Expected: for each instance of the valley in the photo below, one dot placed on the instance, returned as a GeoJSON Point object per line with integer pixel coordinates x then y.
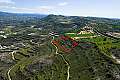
{"type": "Point", "coordinates": [56, 47]}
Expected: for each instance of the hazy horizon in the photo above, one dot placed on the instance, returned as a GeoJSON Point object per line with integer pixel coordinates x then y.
{"type": "Point", "coordinates": [93, 8]}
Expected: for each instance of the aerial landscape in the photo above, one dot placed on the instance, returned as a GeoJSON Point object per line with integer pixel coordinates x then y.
{"type": "Point", "coordinates": [56, 43]}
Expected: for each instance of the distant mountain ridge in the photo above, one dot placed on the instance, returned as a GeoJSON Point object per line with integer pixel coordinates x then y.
{"type": "Point", "coordinates": [56, 22]}
{"type": "Point", "coordinates": [21, 14]}
{"type": "Point", "coordinates": [16, 19]}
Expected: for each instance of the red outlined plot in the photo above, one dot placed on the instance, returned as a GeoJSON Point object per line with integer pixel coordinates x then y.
{"type": "Point", "coordinates": [65, 43]}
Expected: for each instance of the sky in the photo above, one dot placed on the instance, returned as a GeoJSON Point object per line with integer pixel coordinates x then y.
{"type": "Point", "coordinates": [95, 8]}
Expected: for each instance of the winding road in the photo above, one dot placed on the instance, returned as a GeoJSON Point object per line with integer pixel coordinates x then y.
{"type": "Point", "coordinates": [13, 57]}
{"type": "Point", "coordinates": [68, 70]}
{"type": "Point", "coordinates": [8, 73]}
{"type": "Point", "coordinates": [105, 35]}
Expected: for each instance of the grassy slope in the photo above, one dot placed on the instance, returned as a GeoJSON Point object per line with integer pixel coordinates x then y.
{"type": "Point", "coordinates": [86, 64]}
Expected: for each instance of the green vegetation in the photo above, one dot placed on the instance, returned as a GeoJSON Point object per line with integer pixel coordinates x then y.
{"type": "Point", "coordinates": [116, 27]}
{"type": "Point", "coordinates": [80, 35]}
{"type": "Point", "coordinates": [35, 59]}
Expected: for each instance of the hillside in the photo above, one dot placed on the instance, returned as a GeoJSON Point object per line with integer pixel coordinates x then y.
{"type": "Point", "coordinates": [57, 47]}
{"type": "Point", "coordinates": [15, 19]}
